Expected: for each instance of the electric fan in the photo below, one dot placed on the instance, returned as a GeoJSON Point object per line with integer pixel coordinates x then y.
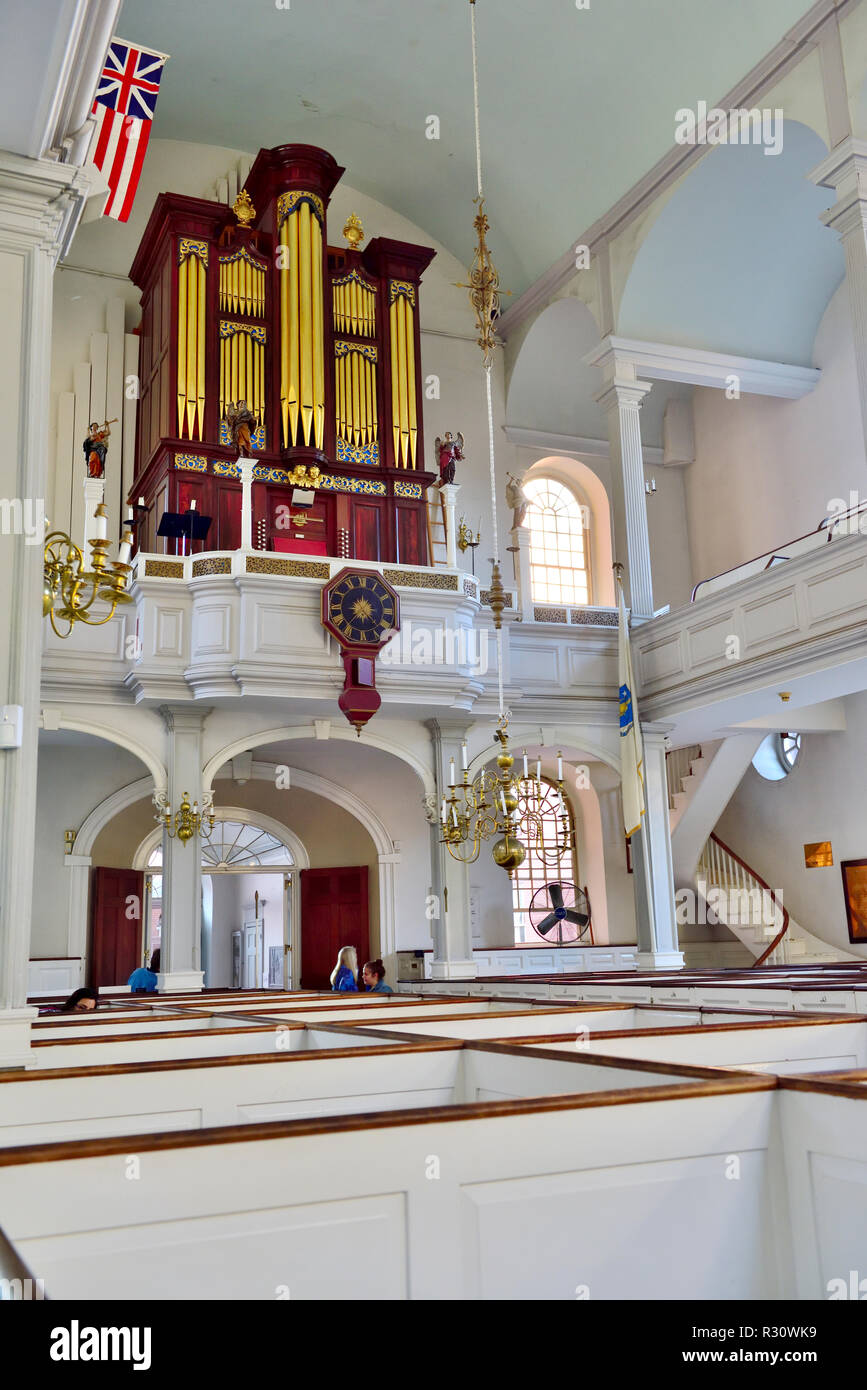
{"type": "Point", "coordinates": [559, 913]}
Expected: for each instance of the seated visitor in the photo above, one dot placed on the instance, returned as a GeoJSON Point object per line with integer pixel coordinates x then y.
{"type": "Point", "coordinates": [144, 981]}
{"type": "Point", "coordinates": [343, 976]}
{"type": "Point", "coordinates": [80, 1001]}
{"type": "Point", "coordinates": [373, 976]}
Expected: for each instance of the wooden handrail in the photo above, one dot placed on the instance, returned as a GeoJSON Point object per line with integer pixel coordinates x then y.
{"type": "Point", "coordinates": [768, 889]}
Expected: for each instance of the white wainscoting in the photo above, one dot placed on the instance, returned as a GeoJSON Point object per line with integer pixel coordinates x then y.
{"type": "Point", "coordinates": [608, 1199]}
{"type": "Point", "coordinates": [60, 975]}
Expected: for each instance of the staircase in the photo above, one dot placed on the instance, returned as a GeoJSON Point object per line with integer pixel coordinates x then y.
{"type": "Point", "coordinates": [740, 898]}
{"type": "Point", "coordinates": [436, 527]}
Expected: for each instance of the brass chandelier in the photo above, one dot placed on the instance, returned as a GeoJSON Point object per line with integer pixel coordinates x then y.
{"type": "Point", "coordinates": [188, 820]}
{"type": "Point", "coordinates": [506, 806]}
{"type": "Point", "coordinates": [70, 589]}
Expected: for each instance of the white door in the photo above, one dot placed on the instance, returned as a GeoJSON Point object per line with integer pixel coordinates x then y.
{"type": "Point", "coordinates": [253, 955]}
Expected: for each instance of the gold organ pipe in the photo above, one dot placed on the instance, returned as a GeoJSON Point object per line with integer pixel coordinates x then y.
{"type": "Point", "coordinates": [201, 344]}
{"type": "Point", "coordinates": [256, 404]}
{"type": "Point", "coordinates": [284, 332]}
{"type": "Point", "coordinates": [367, 410]}
{"type": "Point", "coordinates": [293, 280]}
{"type": "Point", "coordinates": [222, 377]}
{"type": "Point", "coordinates": [395, 384]}
{"type": "Point", "coordinates": [305, 300]}
{"type": "Point", "coordinates": [249, 383]}
{"type": "Point", "coordinates": [410, 379]}
{"type": "Point", "coordinates": [318, 337]}
{"type": "Point", "coordinates": [182, 345]}
{"type": "Point", "coordinates": [192, 359]}
{"type": "Point", "coordinates": [402, 390]}
{"type": "Point", "coordinates": [374, 407]}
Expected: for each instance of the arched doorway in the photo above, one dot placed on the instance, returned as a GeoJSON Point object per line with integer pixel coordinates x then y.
{"type": "Point", "coordinates": [250, 900]}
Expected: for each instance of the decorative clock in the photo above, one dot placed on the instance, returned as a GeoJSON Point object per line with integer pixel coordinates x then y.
{"type": "Point", "coordinates": [361, 611]}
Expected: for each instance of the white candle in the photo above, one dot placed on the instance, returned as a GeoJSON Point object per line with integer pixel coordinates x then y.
{"type": "Point", "coordinates": [464, 755]}
{"type": "Point", "coordinates": [538, 769]}
{"type": "Point", "coordinates": [123, 553]}
{"type": "Point", "coordinates": [193, 505]}
{"type": "Point", "coordinates": [444, 816]}
{"type": "Point", "coordinates": [100, 532]}
{"type": "Point", "coordinates": [559, 767]}
{"type": "Point", "coordinates": [503, 800]}
{"type": "Point", "coordinates": [141, 501]}
{"type": "Point", "coordinates": [455, 814]}
{"type": "Point", "coordinates": [525, 762]}
{"type": "Point", "coordinates": [451, 772]}
{"type": "Point", "coordinates": [129, 513]}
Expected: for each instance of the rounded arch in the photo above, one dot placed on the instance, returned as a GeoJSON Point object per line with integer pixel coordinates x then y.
{"type": "Point", "coordinates": [590, 490]}
{"type": "Point", "coordinates": [550, 388]}
{"type": "Point", "coordinates": [281, 832]}
{"type": "Point", "coordinates": [283, 735]}
{"type": "Point", "coordinates": [109, 735]}
{"type": "Point", "coordinates": [106, 811]}
{"type": "Point", "coordinates": [722, 265]}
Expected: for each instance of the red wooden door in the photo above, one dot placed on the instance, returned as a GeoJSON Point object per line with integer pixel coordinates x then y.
{"type": "Point", "coordinates": [333, 914]}
{"type": "Point", "coordinates": [117, 937]}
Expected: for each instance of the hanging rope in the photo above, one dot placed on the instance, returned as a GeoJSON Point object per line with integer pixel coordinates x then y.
{"type": "Point", "coordinates": [488, 392]}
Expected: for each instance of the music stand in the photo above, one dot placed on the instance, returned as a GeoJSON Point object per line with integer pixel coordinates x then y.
{"type": "Point", "coordinates": [181, 525]}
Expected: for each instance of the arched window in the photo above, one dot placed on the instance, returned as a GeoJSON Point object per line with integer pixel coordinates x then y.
{"type": "Point", "coordinates": [231, 845]}
{"type": "Point", "coordinates": [559, 532]}
{"type": "Point", "coordinates": [542, 863]}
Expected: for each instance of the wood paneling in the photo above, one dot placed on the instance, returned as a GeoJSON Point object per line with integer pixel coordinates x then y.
{"type": "Point", "coordinates": [117, 937]}
{"type": "Point", "coordinates": [333, 914]}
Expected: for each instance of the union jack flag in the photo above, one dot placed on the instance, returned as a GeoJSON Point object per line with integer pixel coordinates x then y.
{"type": "Point", "coordinates": [124, 108]}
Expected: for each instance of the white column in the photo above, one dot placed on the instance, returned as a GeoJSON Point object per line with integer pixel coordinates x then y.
{"type": "Point", "coordinates": [94, 493]}
{"type": "Point", "coordinates": [387, 913]}
{"type": "Point", "coordinates": [39, 201]}
{"type": "Point", "coordinates": [845, 171]}
{"type": "Point", "coordinates": [621, 400]}
{"type": "Point", "coordinates": [656, 923]}
{"type": "Point", "coordinates": [520, 549]}
{"type": "Point", "coordinates": [247, 466]}
{"type": "Point", "coordinates": [450, 884]}
{"type": "Point", "coordinates": [180, 958]}
{"type": "Point", "coordinates": [449, 493]}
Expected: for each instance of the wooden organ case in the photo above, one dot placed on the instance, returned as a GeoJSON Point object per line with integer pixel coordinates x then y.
{"type": "Point", "coordinates": [322, 343]}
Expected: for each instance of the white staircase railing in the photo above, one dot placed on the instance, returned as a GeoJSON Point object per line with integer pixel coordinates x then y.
{"type": "Point", "coordinates": [742, 901]}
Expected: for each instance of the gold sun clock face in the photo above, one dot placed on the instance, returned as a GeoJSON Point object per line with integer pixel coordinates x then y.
{"type": "Point", "coordinates": [360, 609]}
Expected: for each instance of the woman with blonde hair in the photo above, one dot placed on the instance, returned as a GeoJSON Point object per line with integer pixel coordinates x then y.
{"type": "Point", "coordinates": [344, 975]}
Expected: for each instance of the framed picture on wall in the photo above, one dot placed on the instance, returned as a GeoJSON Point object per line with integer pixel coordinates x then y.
{"type": "Point", "coordinates": [854, 873]}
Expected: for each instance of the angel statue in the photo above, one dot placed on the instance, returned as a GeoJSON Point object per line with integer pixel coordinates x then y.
{"type": "Point", "coordinates": [242, 425]}
{"type": "Point", "coordinates": [449, 451]}
{"type": "Point", "coordinates": [96, 447]}
{"type": "Point", "coordinates": [517, 499]}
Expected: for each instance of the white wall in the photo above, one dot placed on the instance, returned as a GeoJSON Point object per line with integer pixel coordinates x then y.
{"type": "Point", "coordinates": [766, 469]}
{"type": "Point", "coordinates": [768, 824]}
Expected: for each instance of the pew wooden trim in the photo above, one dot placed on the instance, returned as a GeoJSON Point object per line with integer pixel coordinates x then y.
{"type": "Point", "coordinates": [593, 1059]}
{"type": "Point", "coordinates": [829, 1083]}
{"type": "Point", "coordinates": [231, 1059]}
{"type": "Point", "coordinates": [702, 1030]}
{"type": "Point", "coordinates": [732, 1083]}
{"type": "Point", "coordinates": [203, 1032]}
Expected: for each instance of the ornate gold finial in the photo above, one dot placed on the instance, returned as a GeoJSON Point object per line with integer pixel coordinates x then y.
{"type": "Point", "coordinates": [243, 208]}
{"type": "Point", "coordinates": [353, 232]}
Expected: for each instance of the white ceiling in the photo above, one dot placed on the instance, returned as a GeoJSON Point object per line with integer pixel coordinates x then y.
{"type": "Point", "coordinates": [576, 104]}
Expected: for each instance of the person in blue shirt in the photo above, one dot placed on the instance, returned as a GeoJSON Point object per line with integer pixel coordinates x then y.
{"type": "Point", "coordinates": [344, 975]}
{"type": "Point", "coordinates": [373, 976]}
{"type": "Point", "coordinates": [144, 981]}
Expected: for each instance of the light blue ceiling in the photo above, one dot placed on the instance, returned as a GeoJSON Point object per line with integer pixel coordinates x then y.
{"type": "Point", "coordinates": [738, 260]}
{"type": "Point", "coordinates": [553, 391]}
{"type": "Point", "coordinates": [576, 104]}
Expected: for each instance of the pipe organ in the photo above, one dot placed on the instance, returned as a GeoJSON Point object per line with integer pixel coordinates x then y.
{"type": "Point", "coordinates": [320, 341]}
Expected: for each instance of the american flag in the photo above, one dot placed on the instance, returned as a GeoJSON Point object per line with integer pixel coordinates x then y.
{"type": "Point", "coordinates": [124, 108]}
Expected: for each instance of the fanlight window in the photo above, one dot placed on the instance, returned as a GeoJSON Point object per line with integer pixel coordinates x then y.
{"type": "Point", "coordinates": [231, 845]}
{"type": "Point", "coordinates": [542, 863]}
{"type": "Point", "coordinates": [559, 560]}
{"type": "Point", "coordinates": [777, 755]}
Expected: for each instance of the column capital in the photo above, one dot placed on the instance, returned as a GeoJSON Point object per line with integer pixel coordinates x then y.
{"type": "Point", "coordinates": [844, 168]}
{"type": "Point", "coordinates": [180, 719]}
{"type": "Point", "coordinates": [622, 391]}
{"type": "Point", "coordinates": [41, 201]}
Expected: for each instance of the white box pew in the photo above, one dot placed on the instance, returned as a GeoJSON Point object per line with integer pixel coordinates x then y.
{"type": "Point", "coordinates": [518, 1023]}
{"type": "Point", "coordinates": [600, 1195]}
{"type": "Point", "coordinates": [775, 1047]}
{"type": "Point", "coordinates": [106, 1028]}
{"type": "Point", "coordinates": [823, 1121]}
{"type": "Point", "coordinates": [192, 1093]}
{"type": "Point", "coordinates": [214, 1040]}
{"type": "Point", "coordinates": [77, 1103]}
{"type": "Point", "coordinates": [362, 1013]}
{"type": "Point", "coordinates": [335, 1003]}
